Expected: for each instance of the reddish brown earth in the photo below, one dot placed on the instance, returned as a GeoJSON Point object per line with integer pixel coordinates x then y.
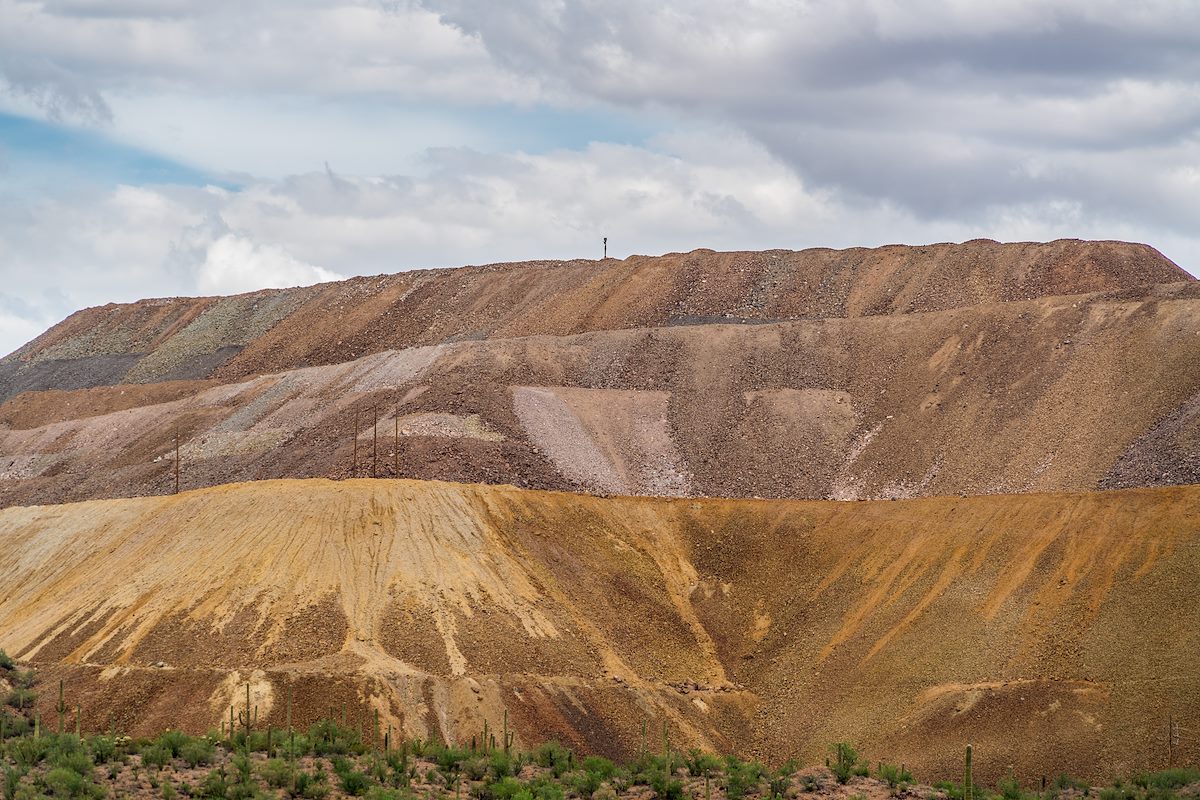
{"type": "Point", "coordinates": [1051, 629]}
{"type": "Point", "coordinates": [1056, 632]}
{"type": "Point", "coordinates": [1058, 393]}
{"type": "Point", "coordinates": [274, 330]}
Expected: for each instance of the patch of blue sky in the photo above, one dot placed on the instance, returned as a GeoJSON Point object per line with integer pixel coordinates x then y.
{"type": "Point", "coordinates": [543, 129]}
{"type": "Point", "coordinates": [40, 156]}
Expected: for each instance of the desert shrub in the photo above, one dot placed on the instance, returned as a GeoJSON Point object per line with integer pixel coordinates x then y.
{"type": "Point", "coordinates": [21, 698]}
{"type": "Point", "coordinates": [554, 757]}
{"type": "Point", "coordinates": [354, 783]}
{"type": "Point", "coordinates": [700, 763]}
{"type": "Point", "coordinates": [214, 786]}
{"type": "Point", "coordinates": [68, 757]}
{"type": "Point", "coordinates": [380, 793]}
{"type": "Point", "coordinates": [197, 752]}
{"type": "Point", "coordinates": [741, 777]}
{"type": "Point", "coordinates": [475, 769]}
{"type": "Point", "coordinates": [544, 787]}
{"type": "Point", "coordinates": [67, 783]}
{"type": "Point", "coordinates": [1063, 782]}
{"type": "Point", "coordinates": [29, 752]}
{"type": "Point", "coordinates": [602, 768]}
{"type": "Point", "coordinates": [328, 738]}
{"type": "Point", "coordinates": [174, 741]}
{"type": "Point", "coordinates": [6, 662]}
{"type": "Point", "coordinates": [156, 755]}
{"type": "Point", "coordinates": [845, 762]}
{"type": "Point", "coordinates": [449, 759]}
{"type": "Point", "coordinates": [666, 788]}
{"type": "Point", "coordinates": [1168, 778]}
{"type": "Point", "coordinates": [11, 780]}
{"type": "Point", "coordinates": [15, 725]}
{"type": "Point", "coordinates": [501, 764]}
{"type": "Point", "coordinates": [894, 776]}
{"type": "Point", "coordinates": [504, 789]}
{"type": "Point", "coordinates": [103, 749]}
{"type": "Point", "coordinates": [810, 783]}
{"type": "Point", "coordinates": [1010, 788]}
{"type": "Point", "coordinates": [312, 787]}
{"type": "Point", "coordinates": [276, 772]}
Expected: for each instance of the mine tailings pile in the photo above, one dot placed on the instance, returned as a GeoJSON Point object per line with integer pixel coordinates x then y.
{"type": "Point", "coordinates": [909, 498]}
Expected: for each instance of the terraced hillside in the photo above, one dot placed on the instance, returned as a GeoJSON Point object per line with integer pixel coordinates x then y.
{"type": "Point", "coordinates": [1056, 632]}
{"type": "Point", "coordinates": [233, 337]}
{"type": "Point", "coordinates": [1054, 393]}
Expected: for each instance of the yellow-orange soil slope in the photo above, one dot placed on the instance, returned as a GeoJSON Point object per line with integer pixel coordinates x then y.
{"type": "Point", "coordinates": [1056, 632]}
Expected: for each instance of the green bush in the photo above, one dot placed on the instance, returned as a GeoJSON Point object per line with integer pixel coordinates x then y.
{"type": "Point", "coordinates": [156, 755]}
{"type": "Point", "coordinates": [475, 769]}
{"type": "Point", "coordinates": [741, 777]}
{"type": "Point", "coordinates": [174, 741]}
{"type": "Point", "coordinates": [1168, 778]}
{"type": "Point", "coordinates": [214, 786]}
{"type": "Point", "coordinates": [21, 698]}
{"type": "Point", "coordinates": [67, 783]}
{"type": "Point", "coordinates": [504, 789]}
{"type": "Point", "coordinates": [197, 752]}
{"type": "Point", "coordinates": [29, 752]}
{"type": "Point", "coordinates": [12, 779]}
{"type": "Point", "coordinates": [700, 763]}
{"type": "Point", "coordinates": [501, 764]}
{"type": "Point", "coordinates": [450, 759]}
{"type": "Point", "coordinates": [15, 725]}
{"type": "Point", "coordinates": [845, 762]}
{"type": "Point", "coordinates": [354, 783]}
{"type": "Point", "coordinates": [103, 748]}
{"type": "Point", "coordinates": [894, 776]}
{"type": "Point", "coordinates": [666, 788]}
{"type": "Point", "coordinates": [277, 773]}
{"type": "Point", "coordinates": [544, 787]}
{"type": "Point", "coordinates": [6, 662]}
{"type": "Point", "coordinates": [554, 757]}
{"type": "Point", "coordinates": [602, 768]}
{"type": "Point", "coordinates": [312, 787]}
{"type": "Point", "coordinates": [76, 760]}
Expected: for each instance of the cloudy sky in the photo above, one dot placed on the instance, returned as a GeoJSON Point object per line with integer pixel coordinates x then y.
{"type": "Point", "coordinates": [167, 147]}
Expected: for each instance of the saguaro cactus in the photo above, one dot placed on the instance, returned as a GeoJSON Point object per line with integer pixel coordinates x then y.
{"type": "Point", "coordinates": [968, 783]}
{"type": "Point", "coordinates": [61, 707]}
{"type": "Point", "coordinates": [244, 716]}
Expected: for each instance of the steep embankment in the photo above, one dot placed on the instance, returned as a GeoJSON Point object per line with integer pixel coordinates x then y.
{"type": "Point", "coordinates": [1064, 393]}
{"type": "Point", "coordinates": [1055, 631]}
{"type": "Point", "coordinates": [269, 331]}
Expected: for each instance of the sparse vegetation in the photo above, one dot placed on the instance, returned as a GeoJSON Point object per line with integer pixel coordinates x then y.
{"type": "Point", "coordinates": [332, 760]}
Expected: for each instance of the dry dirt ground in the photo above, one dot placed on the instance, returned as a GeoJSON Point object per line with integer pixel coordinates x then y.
{"type": "Point", "coordinates": [269, 331]}
{"type": "Point", "coordinates": [1060, 393]}
{"type": "Point", "coordinates": [1056, 632]}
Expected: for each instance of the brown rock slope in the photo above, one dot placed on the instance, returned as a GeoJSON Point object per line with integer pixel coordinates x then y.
{"type": "Point", "coordinates": [1055, 393]}
{"type": "Point", "coordinates": [270, 331]}
{"type": "Point", "coordinates": [1057, 632]}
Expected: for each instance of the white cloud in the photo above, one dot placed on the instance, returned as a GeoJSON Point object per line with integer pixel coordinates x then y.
{"type": "Point", "coordinates": [715, 188]}
{"type": "Point", "coordinates": [790, 124]}
{"type": "Point", "coordinates": [234, 264]}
